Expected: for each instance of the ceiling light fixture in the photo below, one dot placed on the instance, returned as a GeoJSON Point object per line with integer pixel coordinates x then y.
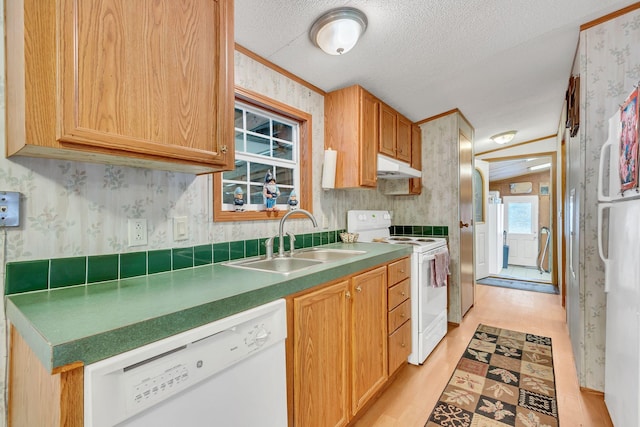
{"type": "Point", "coordinates": [504, 137]}
{"type": "Point", "coordinates": [542, 166]}
{"type": "Point", "coordinates": [337, 31]}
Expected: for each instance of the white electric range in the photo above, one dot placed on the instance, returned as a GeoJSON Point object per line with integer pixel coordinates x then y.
{"type": "Point", "coordinates": [428, 301]}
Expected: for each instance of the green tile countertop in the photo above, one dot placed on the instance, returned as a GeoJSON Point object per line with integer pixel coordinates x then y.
{"type": "Point", "coordinates": [92, 322]}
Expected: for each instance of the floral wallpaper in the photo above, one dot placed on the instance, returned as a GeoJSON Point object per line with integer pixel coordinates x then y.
{"type": "Point", "coordinates": [609, 61]}
{"type": "Point", "coordinates": [438, 202]}
{"type": "Point", "coordinates": [74, 208]}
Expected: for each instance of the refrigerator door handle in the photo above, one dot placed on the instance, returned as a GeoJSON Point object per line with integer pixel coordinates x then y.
{"type": "Point", "coordinates": [601, 196]}
{"type": "Point", "coordinates": [601, 208]}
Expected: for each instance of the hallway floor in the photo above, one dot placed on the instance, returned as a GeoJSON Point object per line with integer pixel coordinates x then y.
{"type": "Point", "coordinates": [410, 398]}
{"type": "Point", "coordinates": [525, 273]}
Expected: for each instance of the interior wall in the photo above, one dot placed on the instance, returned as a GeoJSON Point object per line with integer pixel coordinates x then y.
{"type": "Point", "coordinates": [609, 69]}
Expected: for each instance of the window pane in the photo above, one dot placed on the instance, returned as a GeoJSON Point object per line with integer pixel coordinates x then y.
{"type": "Point", "coordinates": [256, 195]}
{"type": "Point", "coordinates": [282, 150]}
{"type": "Point", "coordinates": [239, 141]}
{"type": "Point", "coordinates": [238, 119]}
{"type": "Point", "coordinates": [520, 218]}
{"type": "Point", "coordinates": [258, 124]}
{"type": "Point", "coordinates": [282, 131]}
{"type": "Point", "coordinates": [258, 145]}
{"type": "Point", "coordinates": [238, 174]}
{"type": "Point", "coordinates": [284, 194]}
{"type": "Point", "coordinates": [228, 191]}
{"type": "Point", "coordinates": [284, 176]}
{"type": "Point", "coordinates": [259, 171]}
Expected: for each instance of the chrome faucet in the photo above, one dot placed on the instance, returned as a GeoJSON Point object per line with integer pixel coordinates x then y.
{"type": "Point", "coordinates": [281, 230]}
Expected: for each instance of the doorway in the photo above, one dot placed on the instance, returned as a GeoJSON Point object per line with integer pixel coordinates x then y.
{"type": "Point", "coordinates": [521, 199]}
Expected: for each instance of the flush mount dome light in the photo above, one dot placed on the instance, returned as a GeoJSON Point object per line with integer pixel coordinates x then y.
{"type": "Point", "coordinates": [504, 137]}
{"type": "Point", "coordinates": [337, 31]}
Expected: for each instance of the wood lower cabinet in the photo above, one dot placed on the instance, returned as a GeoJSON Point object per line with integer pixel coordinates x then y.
{"type": "Point", "coordinates": [399, 317]}
{"type": "Point", "coordinates": [321, 357]}
{"type": "Point", "coordinates": [141, 83]}
{"type": "Point", "coordinates": [39, 398]}
{"type": "Point", "coordinates": [338, 358]}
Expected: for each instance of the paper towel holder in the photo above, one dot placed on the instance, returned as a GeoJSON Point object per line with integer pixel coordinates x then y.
{"type": "Point", "coordinates": [329, 169]}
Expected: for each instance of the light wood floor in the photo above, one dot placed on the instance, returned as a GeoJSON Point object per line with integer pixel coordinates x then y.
{"type": "Point", "coordinates": [411, 397]}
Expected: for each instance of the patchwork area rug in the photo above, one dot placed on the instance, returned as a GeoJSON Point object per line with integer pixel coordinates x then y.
{"type": "Point", "coordinates": [504, 378]}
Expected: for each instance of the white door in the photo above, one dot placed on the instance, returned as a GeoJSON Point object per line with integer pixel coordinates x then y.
{"type": "Point", "coordinates": [521, 223]}
{"type": "Point", "coordinates": [480, 222]}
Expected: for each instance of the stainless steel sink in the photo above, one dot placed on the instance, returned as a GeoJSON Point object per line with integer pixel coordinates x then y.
{"type": "Point", "coordinates": [284, 265]}
{"type": "Point", "coordinates": [326, 254]}
{"type": "Point", "coordinates": [300, 260]}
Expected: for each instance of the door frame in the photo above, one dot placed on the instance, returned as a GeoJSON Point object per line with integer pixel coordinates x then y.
{"type": "Point", "coordinates": [558, 210]}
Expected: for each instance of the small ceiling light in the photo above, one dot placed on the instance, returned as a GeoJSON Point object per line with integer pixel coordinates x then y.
{"type": "Point", "coordinates": [538, 167]}
{"type": "Point", "coordinates": [504, 137]}
{"type": "Point", "coordinates": [337, 31]}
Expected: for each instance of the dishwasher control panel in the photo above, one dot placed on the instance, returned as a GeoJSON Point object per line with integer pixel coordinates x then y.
{"type": "Point", "coordinates": [127, 384]}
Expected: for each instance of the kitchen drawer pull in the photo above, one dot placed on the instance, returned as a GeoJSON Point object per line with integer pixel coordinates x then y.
{"type": "Point", "coordinates": [402, 315]}
{"type": "Point", "coordinates": [403, 293]}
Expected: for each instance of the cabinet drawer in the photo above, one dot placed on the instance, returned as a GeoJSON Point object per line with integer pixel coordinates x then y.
{"type": "Point", "coordinates": [398, 293]}
{"type": "Point", "coordinates": [399, 270]}
{"type": "Point", "coordinates": [399, 347]}
{"type": "Point", "coordinates": [399, 315]}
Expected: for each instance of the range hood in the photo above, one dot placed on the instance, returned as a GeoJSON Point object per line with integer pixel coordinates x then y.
{"type": "Point", "coordinates": [389, 168]}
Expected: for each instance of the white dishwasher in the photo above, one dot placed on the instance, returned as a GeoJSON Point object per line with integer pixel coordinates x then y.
{"type": "Point", "coordinates": [231, 372]}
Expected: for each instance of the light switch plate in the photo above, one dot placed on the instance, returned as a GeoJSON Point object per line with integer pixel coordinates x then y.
{"type": "Point", "coordinates": [180, 228]}
{"type": "Point", "coordinates": [9, 209]}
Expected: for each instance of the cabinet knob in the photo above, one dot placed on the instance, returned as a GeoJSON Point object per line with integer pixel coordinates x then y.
{"type": "Point", "coordinates": [348, 295]}
{"type": "Point", "coordinates": [403, 293]}
{"type": "Point", "coordinates": [403, 345]}
{"type": "Point", "coordinates": [359, 288]}
{"type": "Point", "coordinates": [402, 314]}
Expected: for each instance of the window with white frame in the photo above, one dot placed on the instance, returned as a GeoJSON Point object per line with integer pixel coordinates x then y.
{"type": "Point", "coordinates": [264, 141]}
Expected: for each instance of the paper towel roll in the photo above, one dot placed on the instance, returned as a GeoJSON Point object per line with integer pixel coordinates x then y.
{"type": "Point", "coordinates": [329, 168]}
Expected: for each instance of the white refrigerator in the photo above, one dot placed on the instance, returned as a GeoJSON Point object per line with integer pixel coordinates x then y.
{"type": "Point", "coordinates": [619, 247]}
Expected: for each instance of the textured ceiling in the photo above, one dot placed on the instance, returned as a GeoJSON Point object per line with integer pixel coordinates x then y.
{"type": "Point", "coordinates": [504, 63]}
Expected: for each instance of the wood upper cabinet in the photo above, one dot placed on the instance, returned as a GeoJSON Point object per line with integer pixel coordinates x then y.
{"type": "Point", "coordinates": [404, 141]}
{"type": "Point", "coordinates": [144, 83]}
{"type": "Point", "coordinates": [388, 130]}
{"type": "Point", "coordinates": [338, 358]}
{"type": "Point", "coordinates": [415, 184]}
{"type": "Point", "coordinates": [351, 128]}
{"type": "Point", "coordinates": [395, 134]}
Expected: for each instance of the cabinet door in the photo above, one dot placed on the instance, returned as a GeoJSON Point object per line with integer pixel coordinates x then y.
{"type": "Point", "coordinates": [320, 357]}
{"type": "Point", "coordinates": [369, 117]}
{"type": "Point", "coordinates": [368, 335]}
{"type": "Point", "coordinates": [415, 184]}
{"type": "Point", "coordinates": [403, 141]}
{"type": "Point", "coordinates": [148, 79]}
{"type": "Point", "coordinates": [388, 130]}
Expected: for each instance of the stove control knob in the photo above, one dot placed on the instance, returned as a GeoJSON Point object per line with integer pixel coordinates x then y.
{"type": "Point", "coordinates": [387, 216]}
{"type": "Point", "coordinates": [362, 217]}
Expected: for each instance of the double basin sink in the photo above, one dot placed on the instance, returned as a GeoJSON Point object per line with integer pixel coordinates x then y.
{"type": "Point", "coordinates": [300, 260]}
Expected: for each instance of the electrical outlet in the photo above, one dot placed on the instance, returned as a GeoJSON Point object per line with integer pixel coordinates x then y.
{"type": "Point", "coordinates": [9, 209]}
{"type": "Point", "coordinates": [137, 232]}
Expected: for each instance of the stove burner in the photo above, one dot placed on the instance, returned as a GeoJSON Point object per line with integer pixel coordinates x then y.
{"type": "Point", "coordinates": [425, 240]}
{"type": "Point", "coordinates": [401, 239]}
